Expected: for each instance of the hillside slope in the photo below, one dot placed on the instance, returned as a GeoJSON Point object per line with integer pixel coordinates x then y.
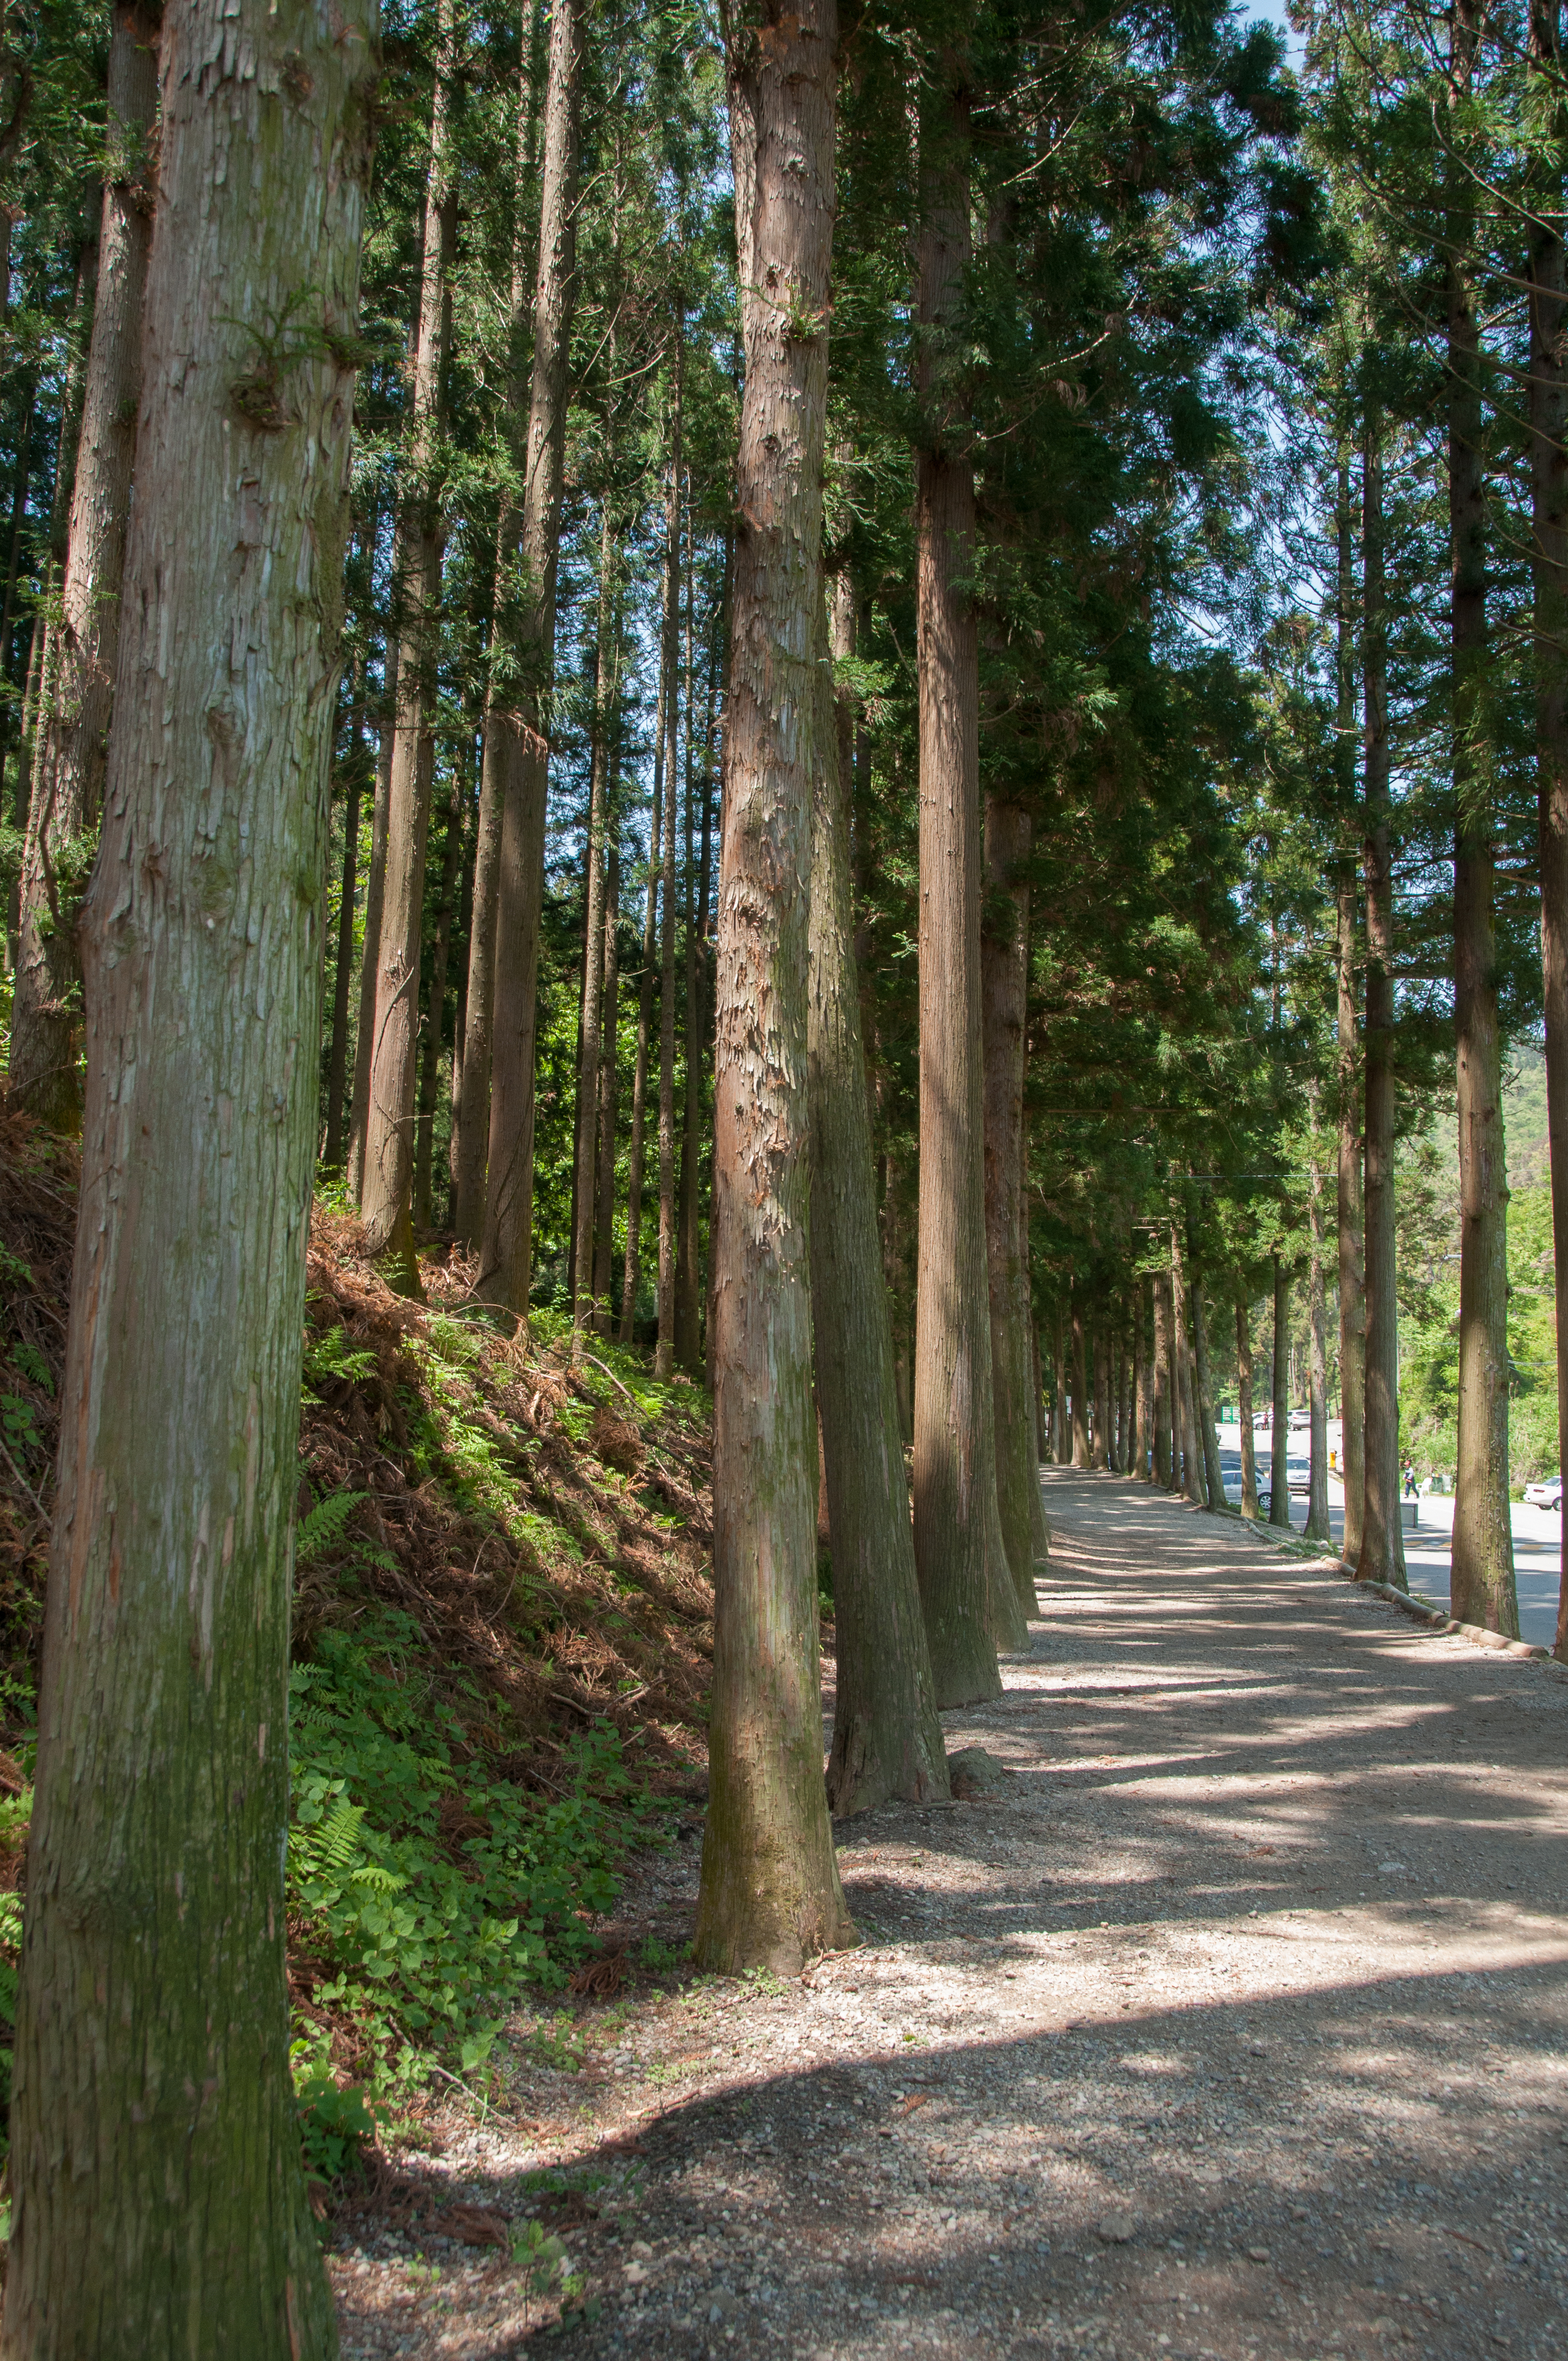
{"type": "Point", "coordinates": [502, 1634]}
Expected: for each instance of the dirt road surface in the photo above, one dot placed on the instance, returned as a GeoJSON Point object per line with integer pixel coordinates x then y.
{"type": "Point", "coordinates": [1229, 2022]}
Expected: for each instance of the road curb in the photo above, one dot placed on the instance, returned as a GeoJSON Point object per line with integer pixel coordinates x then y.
{"type": "Point", "coordinates": [1436, 1620]}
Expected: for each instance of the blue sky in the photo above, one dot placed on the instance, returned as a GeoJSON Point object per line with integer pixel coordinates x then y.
{"type": "Point", "coordinates": [1276, 16]}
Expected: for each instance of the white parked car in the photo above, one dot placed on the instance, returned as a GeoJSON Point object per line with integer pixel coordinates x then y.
{"type": "Point", "coordinates": [1545, 1493]}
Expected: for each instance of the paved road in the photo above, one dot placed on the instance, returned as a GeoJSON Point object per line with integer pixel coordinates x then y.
{"type": "Point", "coordinates": [1233, 2023]}
{"type": "Point", "coordinates": [1538, 1558]}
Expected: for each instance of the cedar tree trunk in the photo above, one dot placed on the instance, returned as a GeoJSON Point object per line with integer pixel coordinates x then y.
{"type": "Point", "coordinates": [155, 2159]}
{"type": "Point", "coordinates": [1382, 1557]}
{"type": "Point", "coordinates": [1481, 1580]}
{"type": "Point", "coordinates": [966, 1583]}
{"type": "Point", "coordinates": [1347, 1058]}
{"type": "Point", "coordinates": [1164, 1440]}
{"type": "Point", "coordinates": [887, 1739]}
{"type": "Point", "coordinates": [435, 1014]}
{"type": "Point", "coordinates": [770, 1891]}
{"type": "Point", "coordinates": [593, 941]}
{"type": "Point", "coordinates": [604, 1219]}
{"type": "Point", "coordinates": [385, 1204]}
{"type": "Point", "coordinates": [1549, 472]}
{"type": "Point", "coordinates": [73, 736]}
{"type": "Point", "coordinates": [506, 1241]}
{"type": "Point", "coordinates": [1213, 1482]}
{"type": "Point", "coordinates": [665, 1345]}
{"type": "Point", "coordinates": [1004, 979]}
{"type": "Point", "coordinates": [1245, 1410]}
{"type": "Point", "coordinates": [1279, 1440]}
{"type": "Point", "coordinates": [1080, 1389]}
{"type": "Point", "coordinates": [1317, 1527]}
{"type": "Point", "coordinates": [632, 1274]}
{"type": "Point", "coordinates": [370, 948]}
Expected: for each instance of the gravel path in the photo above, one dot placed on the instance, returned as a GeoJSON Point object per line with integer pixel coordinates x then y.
{"type": "Point", "coordinates": [1232, 2023]}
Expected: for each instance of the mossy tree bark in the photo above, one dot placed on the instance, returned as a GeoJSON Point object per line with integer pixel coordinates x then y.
{"type": "Point", "coordinates": [887, 1739]}
{"type": "Point", "coordinates": [967, 1589]}
{"type": "Point", "coordinates": [73, 726]}
{"type": "Point", "coordinates": [1382, 1557]}
{"type": "Point", "coordinates": [506, 1240]}
{"type": "Point", "coordinates": [1548, 492]}
{"type": "Point", "coordinates": [386, 1202]}
{"type": "Point", "coordinates": [1480, 1576]}
{"type": "Point", "coordinates": [770, 1891]}
{"type": "Point", "coordinates": [159, 2202]}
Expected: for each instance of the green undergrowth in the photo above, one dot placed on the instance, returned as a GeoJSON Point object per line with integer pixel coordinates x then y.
{"type": "Point", "coordinates": [502, 1647]}
{"type": "Point", "coordinates": [501, 1667]}
{"type": "Point", "coordinates": [428, 1890]}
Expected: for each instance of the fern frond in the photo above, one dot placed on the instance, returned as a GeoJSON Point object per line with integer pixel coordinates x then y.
{"type": "Point", "coordinates": [323, 1527]}
{"type": "Point", "coordinates": [371, 1874]}
{"type": "Point", "coordinates": [336, 1838]}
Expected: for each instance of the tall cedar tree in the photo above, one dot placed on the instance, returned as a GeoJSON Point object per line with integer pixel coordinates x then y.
{"type": "Point", "coordinates": [887, 1739]}
{"type": "Point", "coordinates": [506, 1247]}
{"type": "Point", "coordinates": [73, 726]}
{"type": "Point", "coordinates": [385, 1191]}
{"type": "Point", "coordinates": [159, 2201]}
{"type": "Point", "coordinates": [967, 1588]}
{"type": "Point", "coordinates": [770, 1891]}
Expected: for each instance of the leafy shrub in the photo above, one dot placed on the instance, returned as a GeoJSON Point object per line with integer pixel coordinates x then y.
{"type": "Point", "coordinates": [334, 2124]}
{"type": "Point", "coordinates": [432, 1890]}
